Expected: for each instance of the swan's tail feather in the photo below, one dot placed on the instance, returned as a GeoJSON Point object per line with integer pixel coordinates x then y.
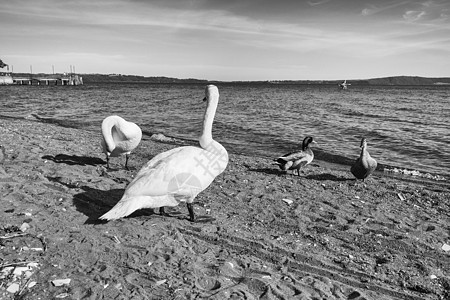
{"type": "Point", "coordinates": [123, 208]}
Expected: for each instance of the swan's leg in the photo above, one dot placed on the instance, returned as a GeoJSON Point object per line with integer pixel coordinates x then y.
{"type": "Point", "coordinates": [126, 161]}
{"type": "Point", "coordinates": [191, 212]}
{"type": "Point", "coordinates": [107, 161]}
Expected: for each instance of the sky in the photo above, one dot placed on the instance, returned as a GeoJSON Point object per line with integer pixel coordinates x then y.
{"type": "Point", "coordinates": [229, 40]}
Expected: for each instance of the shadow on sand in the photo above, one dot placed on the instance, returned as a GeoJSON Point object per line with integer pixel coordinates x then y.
{"type": "Point", "coordinates": [319, 177]}
{"type": "Point", "coordinates": [75, 160]}
{"type": "Point", "coordinates": [269, 171]}
{"type": "Point", "coordinates": [322, 177]}
{"type": "Point", "coordinates": [94, 203]}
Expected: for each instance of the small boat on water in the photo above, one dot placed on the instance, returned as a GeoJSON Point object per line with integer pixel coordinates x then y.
{"type": "Point", "coordinates": [344, 85]}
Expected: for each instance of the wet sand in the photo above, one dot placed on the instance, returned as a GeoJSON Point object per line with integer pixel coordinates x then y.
{"type": "Point", "coordinates": [260, 234]}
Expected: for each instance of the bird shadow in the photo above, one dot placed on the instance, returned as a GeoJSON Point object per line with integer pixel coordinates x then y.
{"type": "Point", "coordinates": [269, 171]}
{"type": "Point", "coordinates": [323, 177]}
{"type": "Point", "coordinates": [75, 160]}
{"type": "Point", "coordinates": [319, 177]}
{"type": "Point", "coordinates": [94, 203]}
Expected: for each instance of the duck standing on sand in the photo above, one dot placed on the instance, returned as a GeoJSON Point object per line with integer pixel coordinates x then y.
{"type": "Point", "coordinates": [119, 137]}
{"type": "Point", "coordinates": [177, 175]}
{"type": "Point", "coordinates": [364, 164]}
{"type": "Point", "coordinates": [298, 159]}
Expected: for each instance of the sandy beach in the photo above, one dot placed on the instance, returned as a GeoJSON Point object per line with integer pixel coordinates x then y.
{"type": "Point", "coordinates": [260, 234]}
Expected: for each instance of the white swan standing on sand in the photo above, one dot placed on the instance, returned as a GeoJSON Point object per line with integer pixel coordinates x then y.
{"type": "Point", "coordinates": [177, 175]}
{"type": "Point", "coordinates": [364, 164]}
{"type": "Point", "coordinates": [119, 137]}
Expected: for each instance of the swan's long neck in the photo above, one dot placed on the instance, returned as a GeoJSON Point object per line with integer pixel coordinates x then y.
{"type": "Point", "coordinates": [107, 126]}
{"type": "Point", "coordinates": [208, 119]}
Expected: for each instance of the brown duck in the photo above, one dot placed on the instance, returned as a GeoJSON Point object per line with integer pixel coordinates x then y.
{"type": "Point", "coordinates": [365, 164]}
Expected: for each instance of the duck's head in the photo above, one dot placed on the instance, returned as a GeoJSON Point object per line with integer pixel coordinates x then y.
{"type": "Point", "coordinates": [307, 141]}
{"type": "Point", "coordinates": [211, 91]}
{"type": "Point", "coordinates": [363, 143]}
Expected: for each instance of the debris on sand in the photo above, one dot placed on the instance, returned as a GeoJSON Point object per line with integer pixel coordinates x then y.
{"type": "Point", "coordinates": [446, 247]}
{"type": "Point", "coordinates": [414, 173]}
{"type": "Point", "coordinates": [61, 282]}
{"type": "Point", "coordinates": [288, 201]}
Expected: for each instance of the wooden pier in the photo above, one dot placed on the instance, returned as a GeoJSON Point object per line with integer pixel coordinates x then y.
{"type": "Point", "coordinates": [51, 80]}
{"type": "Point", "coordinates": [66, 80]}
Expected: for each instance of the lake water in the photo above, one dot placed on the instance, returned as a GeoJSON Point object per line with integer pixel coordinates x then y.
{"type": "Point", "coordinates": [406, 127]}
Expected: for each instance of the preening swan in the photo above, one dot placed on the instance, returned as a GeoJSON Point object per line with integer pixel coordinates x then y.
{"type": "Point", "coordinates": [364, 164]}
{"type": "Point", "coordinates": [177, 175]}
{"type": "Point", "coordinates": [119, 137]}
{"type": "Point", "coordinates": [296, 160]}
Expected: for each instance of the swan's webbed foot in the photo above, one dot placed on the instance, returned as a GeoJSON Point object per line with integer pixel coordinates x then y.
{"type": "Point", "coordinates": [190, 208]}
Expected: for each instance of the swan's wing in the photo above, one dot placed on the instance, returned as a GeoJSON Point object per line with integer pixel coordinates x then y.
{"type": "Point", "coordinates": [131, 131]}
{"type": "Point", "coordinates": [181, 171]}
{"type": "Point", "coordinates": [160, 157]}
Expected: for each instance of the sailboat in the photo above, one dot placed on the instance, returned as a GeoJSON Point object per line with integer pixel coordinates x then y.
{"type": "Point", "coordinates": [344, 85]}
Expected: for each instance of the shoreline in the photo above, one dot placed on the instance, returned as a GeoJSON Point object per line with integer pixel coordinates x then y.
{"type": "Point", "coordinates": [260, 235]}
{"type": "Point", "coordinates": [341, 162]}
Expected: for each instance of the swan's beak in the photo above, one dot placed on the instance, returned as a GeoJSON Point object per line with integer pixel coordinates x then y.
{"type": "Point", "coordinates": [204, 99]}
{"type": "Point", "coordinates": [314, 142]}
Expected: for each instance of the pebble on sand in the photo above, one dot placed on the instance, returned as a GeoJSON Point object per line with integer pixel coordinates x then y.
{"type": "Point", "coordinates": [61, 282]}
{"type": "Point", "coordinates": [446, 247]}
{"type": "Point", "coordinates": [13, 288]}
{"type": "Point", "coordinates": [288, 201]}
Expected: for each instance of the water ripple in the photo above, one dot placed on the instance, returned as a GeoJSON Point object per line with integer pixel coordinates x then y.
{"type": "Point", "coordinates": [405, 126]}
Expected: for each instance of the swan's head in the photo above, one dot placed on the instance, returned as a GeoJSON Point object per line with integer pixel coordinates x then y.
{"type": "Point", "coordinates": [363, 143]}
{"type": "Point", "coordinates": [211, 91]}
{"type": "Point", "coordinates": [307, 141]}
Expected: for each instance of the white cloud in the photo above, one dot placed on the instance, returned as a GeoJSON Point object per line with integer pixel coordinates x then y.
{"type": "Point", "coordinates": [318, 2]}
{"type": "Point", "coordinates": [372, 9]}
{"type": "Point", "coordinates": [413, 16]}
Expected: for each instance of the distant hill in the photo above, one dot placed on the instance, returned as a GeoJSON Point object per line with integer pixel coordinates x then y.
{"type": "Point", "coordinates": [135, 78]}
{"type": "Point", "coordinates": [407, 80]}
{"type": "Point", "coordinates": [394, 80]}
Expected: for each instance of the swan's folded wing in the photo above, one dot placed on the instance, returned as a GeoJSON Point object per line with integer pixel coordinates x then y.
{"type": "Point", "coordinates": [178, 171]}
